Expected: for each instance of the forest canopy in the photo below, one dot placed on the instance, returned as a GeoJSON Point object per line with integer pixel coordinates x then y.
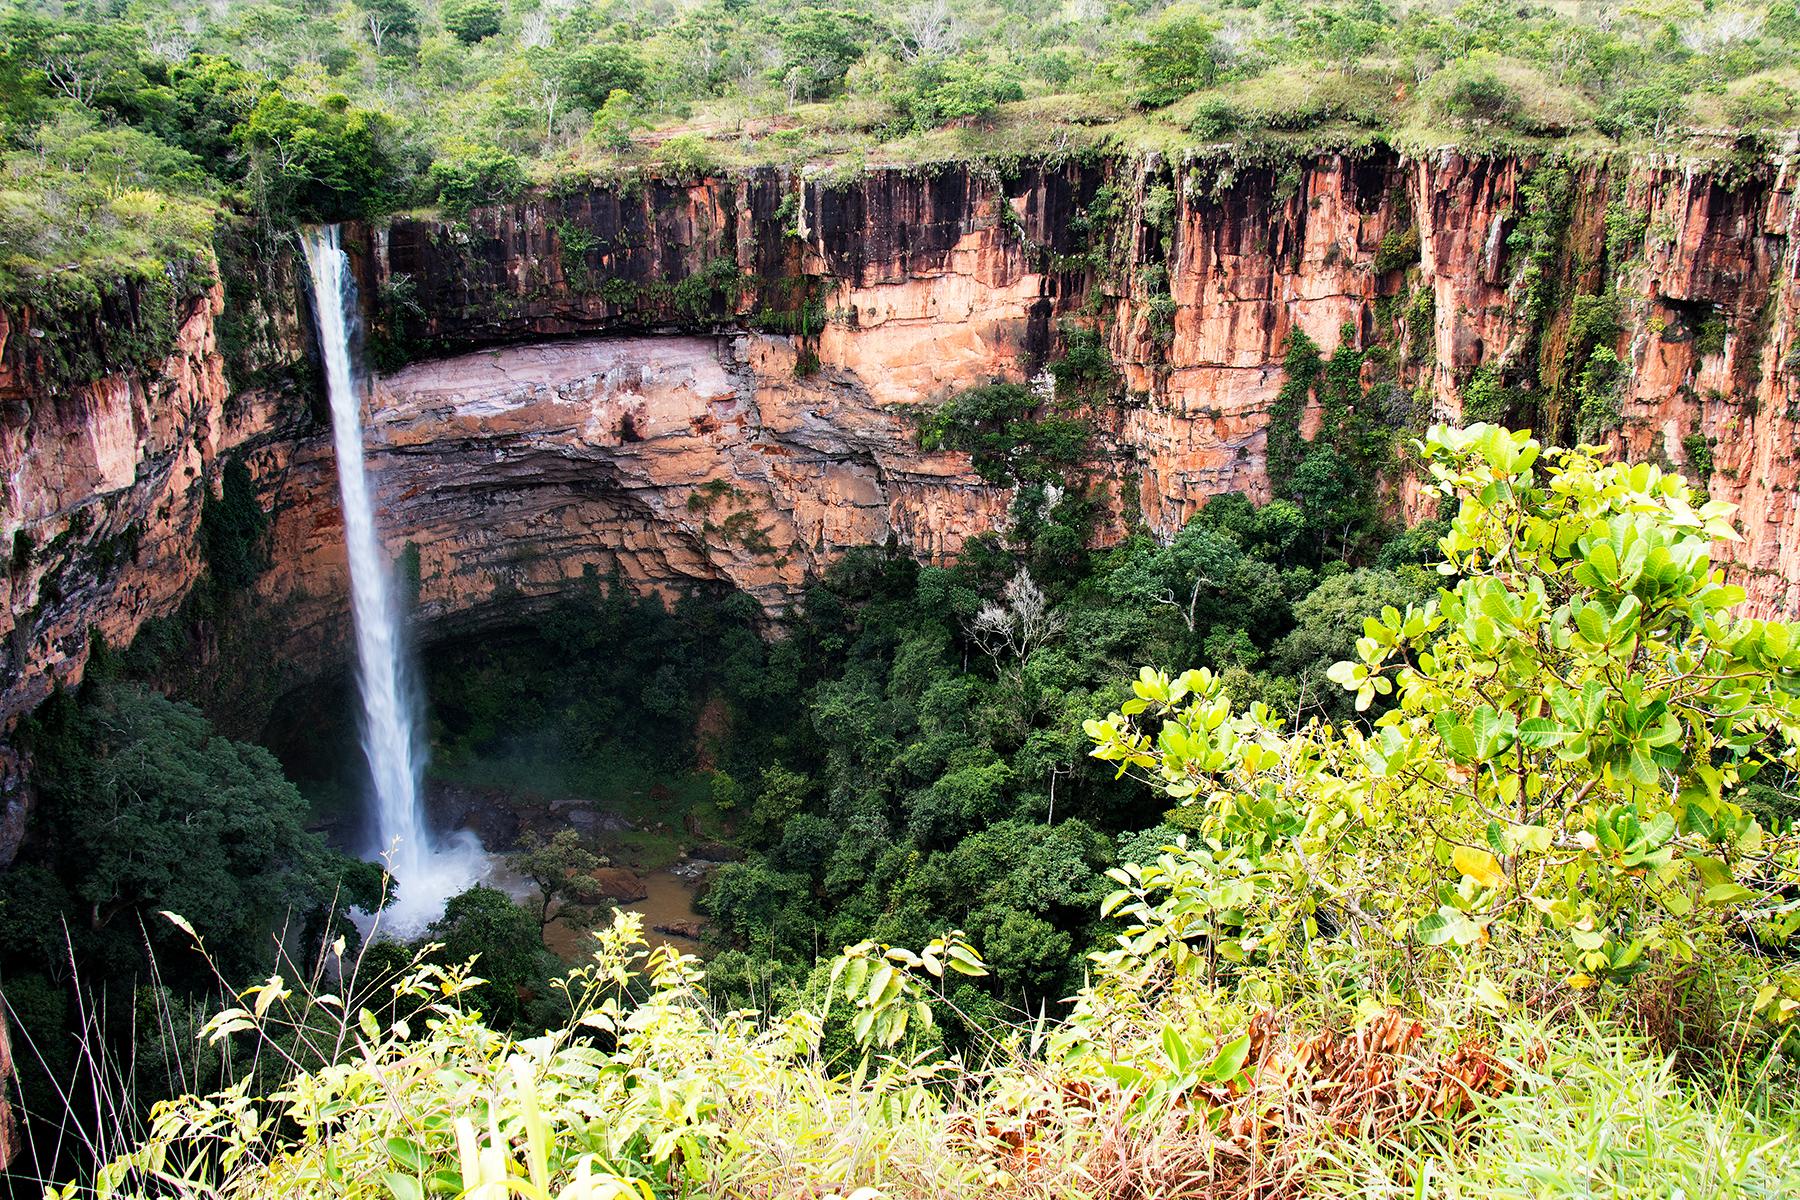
{"type": "Point", "coordinates": [126, 130]}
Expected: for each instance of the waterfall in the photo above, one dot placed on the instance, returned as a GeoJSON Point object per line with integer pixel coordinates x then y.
{"type": "Point", "coordinates": [426, 871]}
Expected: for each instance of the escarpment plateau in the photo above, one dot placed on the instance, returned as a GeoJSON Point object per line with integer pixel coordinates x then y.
{"type": "Point", "coordinates": [717, 381]}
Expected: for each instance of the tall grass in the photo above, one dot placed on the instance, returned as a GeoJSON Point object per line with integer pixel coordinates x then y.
{"type": "Point", "coordinates": [648, 1091]}
{"type": "Point", "coordinates": [1602, 1116]}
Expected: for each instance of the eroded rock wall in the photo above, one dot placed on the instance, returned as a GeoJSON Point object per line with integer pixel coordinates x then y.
{"type": "Point", "coordinates": [509, 475]}
{"type": "Point", "coordinates": [715, 381]}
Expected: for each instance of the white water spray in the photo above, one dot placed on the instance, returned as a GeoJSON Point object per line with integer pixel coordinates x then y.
{"type": "Point", "coordinates": [427, 872]}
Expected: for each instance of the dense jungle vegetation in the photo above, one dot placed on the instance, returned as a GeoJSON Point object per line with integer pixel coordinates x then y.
{"type": "Point", "coordinates": [907, 753]}
{"type": "Point", "coordinates": [129, 129]}
{"type": "Point", "coordinates": [1466, 871]}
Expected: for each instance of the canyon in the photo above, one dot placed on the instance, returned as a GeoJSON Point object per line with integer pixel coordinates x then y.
{"type": "Point", "coordinates": [716, 382]}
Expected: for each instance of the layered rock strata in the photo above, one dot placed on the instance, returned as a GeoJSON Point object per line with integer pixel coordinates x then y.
{"type": "Point", "coordinates": [715, 381]}
{"type": "Point", "coordinates": [509, 475]}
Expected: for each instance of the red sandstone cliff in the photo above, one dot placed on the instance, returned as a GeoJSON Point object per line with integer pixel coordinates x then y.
{"type": "Point", "coordinates": [10, 1143]}
{"type": "Point", "coordinates": [712, 382]}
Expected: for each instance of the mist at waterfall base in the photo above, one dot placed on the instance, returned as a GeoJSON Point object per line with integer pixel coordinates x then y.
{"type": "Point", "coordinates": [427, 869]}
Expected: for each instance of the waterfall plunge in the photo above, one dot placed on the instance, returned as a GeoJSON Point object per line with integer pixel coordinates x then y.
{"type": "Point", "coordinates": [427, 872]}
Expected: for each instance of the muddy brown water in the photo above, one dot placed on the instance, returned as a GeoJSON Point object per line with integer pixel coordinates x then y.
{"type": "Point", "coordinates": [670, 901]}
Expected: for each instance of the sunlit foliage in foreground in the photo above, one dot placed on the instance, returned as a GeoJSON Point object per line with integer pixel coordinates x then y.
{"type": "Point", "coordinates": [1519, 934]}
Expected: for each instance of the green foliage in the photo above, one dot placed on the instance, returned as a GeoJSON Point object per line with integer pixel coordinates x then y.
{"type": "Point", "coordinates": [1625, 229]}
{"type": "Point", "coordinates": [1326, 624]}
{"type": "Point", "coordinates": [393, 26]}
{"type": "Point", "coordinates": [1764, 104]}
{"type": "Point", "coordinates": [594, 71]}
{"type": "Point", "coordinates": [1301, 367]}
{"type": "Point", "coordinates": [102, 315]}
{"type": "Point", "coordinates": [1554, 782]}
{"type": "Point", "coordinates": [1594, 320]}
{"type": "Point", "coordinates": [472, 21]}
{"type": "Point", "coordinates": [1594, 326]}
{"type": "Point", "coordinates": [687, 157]}
{"type": "Point", "coordinates": [485, 923]}
{"type": "Point", "coordinates": [1177, 54]}
{"type": "Point", "coordinates": [319, 162]}
{"type": "Point", "coordinates": [574, 243]}
{"type": "Point", "coordinates": [467, 175]}
{"type": "Point", "coordinates": [1486, 397]}
{"type": "Point", "coordinates": [1336, 474]}
{"type": "Point", "coordinates": [1159, 307]}
{"type": "Point", "coordinates": [1474, 93]}
{"type": "Point", "coordinates": [1399, 249]}
{"type": "Point", "coordinates": [1085, 369]}
{"type": "Point", "coordinates": [614, 120]}
{"type": "Point", "coordinates": [1289, 100]}
{"type": "Point", "coordinates": [1697, 449]}
{"type": "Point", "coordinates": [606, 678]}
{"type": "Point", "coordinates": [998, 426]}
{"type": "Point", "coordinates": [710, 292]}
{"type": "Point", "coordinates": [562, 869]}
{"type": "Point", "coordinates": [1649, 109]}
{"type": "Point", "coordinates": [1544, 212]}
{"type": "Point", "coordinates": [1597, 409]}
{"type": "Point", "coordinates": [232, 525]}
{"type": "Point", "coordinates": [143, 808]}
{"type": "Point", "coordinates": [940, 90]}
{"type": "Point", "coordinates": [1709, 336]}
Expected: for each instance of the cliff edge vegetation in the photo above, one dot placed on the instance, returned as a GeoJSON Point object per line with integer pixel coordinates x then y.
{"type": "Point", "coordinates": [127, 131]}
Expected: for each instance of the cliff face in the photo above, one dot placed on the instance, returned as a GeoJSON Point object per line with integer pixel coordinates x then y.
{"type": "Point", "coordinates": [102, 485]}
{"type": "Point", "coordinates": [10, 1142]}
{"type": "Point", "coordinates": [716, 381]}
{"type": "Point", "coordinates": [514, 472]}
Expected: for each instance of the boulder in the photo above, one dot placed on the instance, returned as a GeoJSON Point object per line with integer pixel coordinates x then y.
{"type": "Point", "coordinates": [619, 885]}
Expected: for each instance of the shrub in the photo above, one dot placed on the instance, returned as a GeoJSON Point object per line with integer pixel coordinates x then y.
{"type": "Point", "coordinates": [1399, 249]}
{"type": "Point", "coordinates": [320, 162]}
{"type": "Point", "coordinates": [1473, 93]}
{"type": "Point", "coordinates": [939, 90]}
{"type": "Point", "coordinates": [232, 526]}
{"type": "Point", "coordinates": [594, 71]}
{"type": "Point", "coordinates": [465, 176]}
{"type": "Point", "coordinates": [1290, 99]}
{"type": "Point", "coordinates": [615, 119]}
{"type": "Point", "coordinates": [1214, 117]}
{"type": "Point", "coordinates": [686, 156]}
{"type": "Point", "coordinates": [1486, 397]}
{"type": "Point", "coordinates": [1646, 110]}
{"type": "Point", "coordinates": [1550, 803]}
{"type": "Point", "coordinates": [1763, 104]}
{"type": "Point", "coordinates": [997, 426]}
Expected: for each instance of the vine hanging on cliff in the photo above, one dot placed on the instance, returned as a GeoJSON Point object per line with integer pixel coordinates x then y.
{"type": "Point", "coordinates": [1339, 471]}
{"type": "Point", "coordinates": [1301, 367]}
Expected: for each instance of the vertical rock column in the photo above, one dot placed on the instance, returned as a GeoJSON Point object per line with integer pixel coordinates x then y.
{"type": "Point", "coordinates": [9, 1125]}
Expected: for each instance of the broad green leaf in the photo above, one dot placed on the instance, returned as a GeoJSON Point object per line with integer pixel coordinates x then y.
{"type": "Point", "coordinates": [1229, 1061]}
{"type": "Point", "coordinates": [1433, 929]}
{"type": "Point", "coordinates": [407, 1155]}
{"type": "Point", "coordinates": [1728, 893]}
